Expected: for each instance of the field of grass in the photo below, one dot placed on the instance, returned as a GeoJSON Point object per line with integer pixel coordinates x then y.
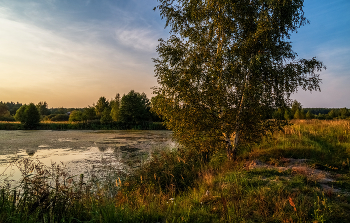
{"type": "Point", "coordinates": [300, 174]}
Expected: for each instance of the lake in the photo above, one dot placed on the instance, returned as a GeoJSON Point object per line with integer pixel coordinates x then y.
{"type": "Point", "coordinates": [87, 151]}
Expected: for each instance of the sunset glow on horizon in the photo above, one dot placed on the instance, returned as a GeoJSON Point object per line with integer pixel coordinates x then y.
{"type": "Point", "coordinates": [70, 53]}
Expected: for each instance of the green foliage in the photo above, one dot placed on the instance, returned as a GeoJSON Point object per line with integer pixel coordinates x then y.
{"type": "Point", "coordinates": [344, 113]}
{"type": "Point", "coordinates": [89, 113]}
{"type": "Point", "coordinates": [76, 116]}
{"type": "Point", "coordinates": [5, 113]}
{"type": "Point", "coordinates": [296, 106]}
{"type": "Point", "coordinates": [43, 108]}
{"type": "Point", "coordinates": [299, 114]}
{"type": "Point", "coordinates": [278, 114]}
{"type": "Point", "coordinates": [106, 116]}
{"type": "Point", "coordinates": [61, 111]}
{"type": "Point", "coordinates": [20, 113]}
{"type": "Point", "coordinates": [30, 117]}
{"type": "Point", "coordinates": [287, 115]}
{"type": "Point", "coordinates": [226, 67]}
{"type": "Point", "coordinates": [168, 172]}
{"type": "Point", "coordinates": [100, 106]}
{"type": "Point", "coordinates": [60, 117]}
{"type": "Point", "coordinates": [115, 104]}
{"type": "Point", "coordinates": [12, 107]}
{"type": "Point", "coordinates": [332, 114]}
{"type": "Point", "coordinates": [4, 110]}
{"type": "Point", "coordinates": [309, 115]}
{"type": "Point", "coordinates": [302, 114]}
{"type": "Point", "coordinates": [134, 107]}
{"type": "Point", "coordinates": [49, 117]}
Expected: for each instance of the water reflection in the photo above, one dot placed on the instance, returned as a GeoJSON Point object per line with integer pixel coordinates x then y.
{"type": "Point", "coordinates": [88, 152]}
{"type": "Point", "coordinates": [31, 152]}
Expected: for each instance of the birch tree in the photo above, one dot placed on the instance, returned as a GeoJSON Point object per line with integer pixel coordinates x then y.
{"type": "Point", "coordinates": [226, 66]}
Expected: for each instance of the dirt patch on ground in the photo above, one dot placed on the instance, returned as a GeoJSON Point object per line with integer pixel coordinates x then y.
{"type": "Point", "coordinates": [297, 166]}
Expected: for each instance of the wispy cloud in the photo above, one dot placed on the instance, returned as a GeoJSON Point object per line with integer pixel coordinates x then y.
{"type": "Point", "coordinates": [137, 38]}
{"type": "Point", "coordinates": [82, 58]}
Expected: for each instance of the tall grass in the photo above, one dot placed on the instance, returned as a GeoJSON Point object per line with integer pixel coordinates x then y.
{"type": "Point", "coordinates": [177, 186]}
{"type": "Point", "coordinates": [325, 143]}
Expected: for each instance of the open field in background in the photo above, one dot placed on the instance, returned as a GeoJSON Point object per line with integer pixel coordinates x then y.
{"type": "Point", "coordinates": [300, 174]}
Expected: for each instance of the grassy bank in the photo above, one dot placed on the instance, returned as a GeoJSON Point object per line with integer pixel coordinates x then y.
{"type": "Point", "coordinates": [86, 126]}
{"type": "Point", "coordinates": [301, 174]}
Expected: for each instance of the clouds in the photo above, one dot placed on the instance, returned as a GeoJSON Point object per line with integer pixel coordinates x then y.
{"type": "Point", "coordinates": [327, 38]}
{"type": "Point", "coordinates": [137, 38]}
{"type": "Point", "coordinates": [69, 53]}
{"type": "Point", "coordinates": [80, 60]}
{"type": "Point", "coordinates": [335, 89]}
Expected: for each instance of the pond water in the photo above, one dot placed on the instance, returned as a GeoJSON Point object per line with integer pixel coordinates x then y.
{"type": "Point", "coordinates": [88, 152]}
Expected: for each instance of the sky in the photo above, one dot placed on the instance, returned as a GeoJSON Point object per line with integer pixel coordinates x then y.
{"type": "Point", "coordinates": [71, 52]}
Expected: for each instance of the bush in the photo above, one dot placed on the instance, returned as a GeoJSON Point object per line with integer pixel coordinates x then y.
{"type": "Point", "coordinates": [28, 115]}
{"type": "Point", "coordinates": [76, 116]}
{"type": "Point", "coordinates": [31, 117]}
{"type": "Point", "coordinates": [7, 118]}
{"type": "Point", "coordinates": [60, 117]}
{"type": "Point", "coordinates": [168, 171]}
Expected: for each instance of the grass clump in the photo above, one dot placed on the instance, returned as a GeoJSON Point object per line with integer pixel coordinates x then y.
{"type": "Point", "coordinates": [300, 174]}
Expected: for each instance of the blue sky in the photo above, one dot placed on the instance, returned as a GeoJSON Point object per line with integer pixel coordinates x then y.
{"type": "Point", "coordinates": [69, 53]}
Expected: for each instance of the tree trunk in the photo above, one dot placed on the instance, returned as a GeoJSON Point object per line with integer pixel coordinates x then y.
{"type": "Point", "coordinates": [231, 149]}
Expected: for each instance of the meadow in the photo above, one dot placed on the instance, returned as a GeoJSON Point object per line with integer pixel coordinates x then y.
{"type": "Point", "coordinates": [299, 174]}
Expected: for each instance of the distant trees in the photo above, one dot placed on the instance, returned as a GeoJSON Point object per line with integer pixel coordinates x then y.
{"type": "Point", "coordinates": [134, 107]}
{"type": "Point", "coordinates": [3, 109]}
{"type": "Point", "coordinates": [287, 115]}
{"type": "Point", "coordinates": [60, 117]}
{"type": "Point", "coordinates": [89, 113]}
{"type": "Point", "coordinates": [309, 115]}
{"type": "Point", "coordinates": [296, 106]}
{"type": "Point", "coordinates": [278, 114]}
{"type": "Point", "coordinates": [76, 116]}
{"type": "Point", "coordinates": [106, 116]}
{"type": "Point", "coordinates": [344, 113]}
{"type": "Point", "coordinates": [5, 113]}
{"type": "Point", "coordinates": [12, 107]}
{"type": "Point", "coordinates": [31, 116]}
{"type": "Point", "coordinates": [101, 105]}
{"type": "Point", "coordinates": [298, 112]}
{"type": "Point", "coordinates": [28, 115]}
{"type": "Point", "coordinates": [115, 105]}
{"type": "Point", "coordinates": [20, 113]}
{"type": "Point", "coordinates": [43, 108]}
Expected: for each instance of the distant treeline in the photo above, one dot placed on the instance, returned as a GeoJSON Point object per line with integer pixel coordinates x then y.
{"type": "Point", "coordinates": [131, 111]}
{"type": "Point", "coordinates": [93, 125]}
{"type": "Point", "coordinates": [297, 112]}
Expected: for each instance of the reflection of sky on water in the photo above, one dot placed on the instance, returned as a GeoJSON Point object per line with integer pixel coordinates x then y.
{"type": "Point", "coordinates": [88, 152]}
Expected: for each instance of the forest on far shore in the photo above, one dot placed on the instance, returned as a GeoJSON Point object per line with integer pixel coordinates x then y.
{"type": "Point", "coordinates": [130, 108]}
{"type": "Point", "coordinates": [135, 108]}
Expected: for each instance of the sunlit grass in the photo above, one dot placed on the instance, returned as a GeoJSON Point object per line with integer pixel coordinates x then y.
{"type": "Point", "coordinates": [176, 186]}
